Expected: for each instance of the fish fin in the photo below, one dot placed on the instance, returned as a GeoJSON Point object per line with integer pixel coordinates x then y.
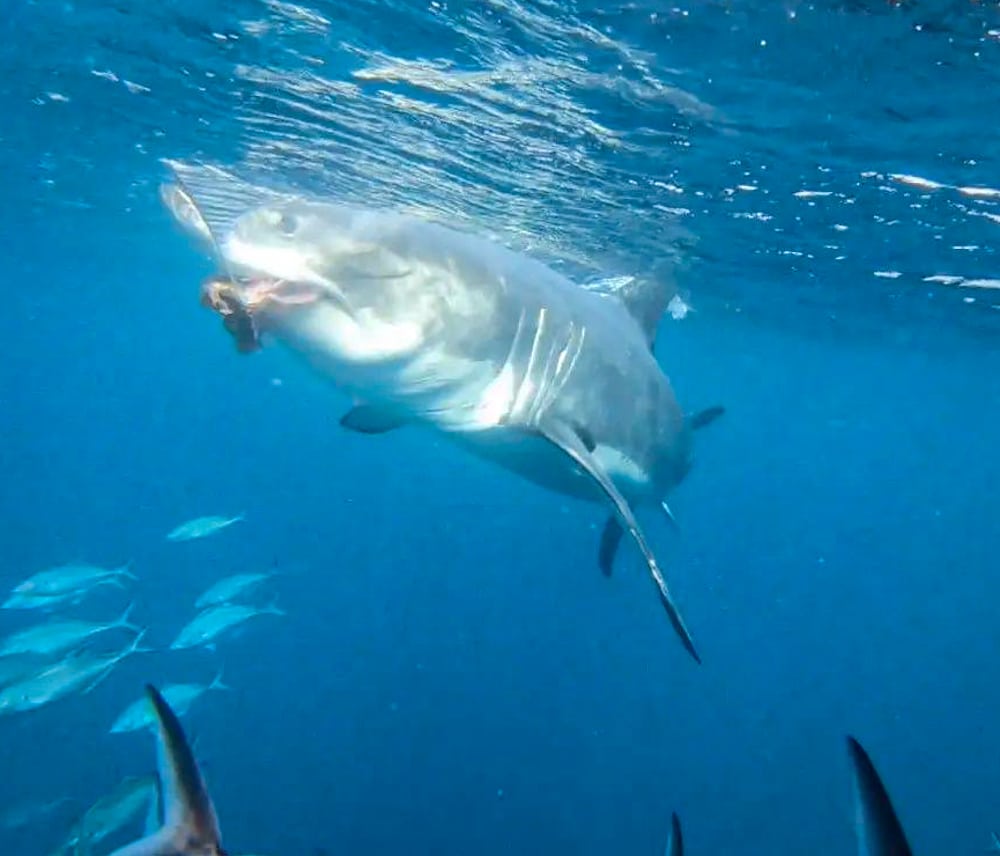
{"type": "Point", "coordinates": [876, 824]}
{"type": "Point", "coordinates": [154, 811]}
{"type": "Point", "coordinates": [209, 646]}
{"type": "Point", "coordinates": [217, 683]}
{"type": "Point", "coordinates": [126, 570]}
{"type": "Point", "coordinates": [675, 843]}
{"type": "Point", "coordinates": [372, 419]}
{"type": "Point", "coordinates": [611, 537]}
{"type": "Point", "coordinates": [188, 813]}
{"type": "Point", "coordinates": [670, 515]}
{"type": "Point", "coordinates": [273, 609]}
{"type": "Point", "coordinates": [123, 621]}
{"type": "Point", "coordinates": [574, 447]}
{"type": "Point", "coordinates": [135, 647]}
{"type": "Point", "coordinates": [98, 680]}
{"type": "Point", "coordinates": [705, 417]}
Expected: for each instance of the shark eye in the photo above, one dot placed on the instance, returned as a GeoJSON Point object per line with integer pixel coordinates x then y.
{"type": "Point", "coordinates": [288, 224]}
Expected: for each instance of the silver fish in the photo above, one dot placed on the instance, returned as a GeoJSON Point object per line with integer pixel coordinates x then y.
{"type": "Point", "coordinates": [34, 811]}
{"type": "Point", "coordinates": [497, 351]}
{"type": "Point", "coordinates": [110, 813]}
{"type": "Point", "coordinates": [230, 588]}
{"type": "Point", "coordinates": [211, 623]}
{"type": "Point", "coordinates": [54, 637]}
{"type": "Point", "coordinates": [139, 714]}
{"type": "Point", "coordinates": [76, 672]}
{"type": "Point", "coordinates": [69, 579]}
{"type": "Point", "coordinates": [190, 824]}
{"type": "Point", "coordinates": [202, 527]}
{"type": "Point", "coordinates": [16, 667]}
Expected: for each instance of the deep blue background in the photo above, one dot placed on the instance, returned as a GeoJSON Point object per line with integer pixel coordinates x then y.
{"type": "Point", "coordinates": [454, 675]}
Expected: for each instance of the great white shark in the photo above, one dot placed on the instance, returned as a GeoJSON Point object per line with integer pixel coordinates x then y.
{"type": "Point", "coordinates": [424, 324]}
{"type": "Point", "coordinates": [189, 825]}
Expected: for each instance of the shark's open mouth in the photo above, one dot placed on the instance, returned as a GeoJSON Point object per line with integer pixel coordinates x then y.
{"type": "Point", "coordinates": [239, 302]}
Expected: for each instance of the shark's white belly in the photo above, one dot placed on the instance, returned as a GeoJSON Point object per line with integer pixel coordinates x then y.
{"type": "Point", "coordinates": [471, 401]}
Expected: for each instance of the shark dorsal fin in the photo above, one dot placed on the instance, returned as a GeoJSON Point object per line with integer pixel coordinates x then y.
{"type": "Point", "coordinates": [190, 826]}
{"type": "Point", "coordinates": [646, 299]}
{"type": "Point", "coordinates": [878, 828]}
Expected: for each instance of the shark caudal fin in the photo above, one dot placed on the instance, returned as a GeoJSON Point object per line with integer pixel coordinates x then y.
{"type": "Point", "coordinates": [878, 828]}
{"type": "Point", "coordinates": [190, 826]}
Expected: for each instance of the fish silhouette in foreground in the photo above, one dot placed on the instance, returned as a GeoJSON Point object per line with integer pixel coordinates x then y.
{"type": "Point", "coordinates": [202, 527]}
{"type": "Point", "coordinates": [190, 826]}
{"type": "Point", "coordinates": [426, 325]}
{"type": "Point", "coordinates": [878, 830]}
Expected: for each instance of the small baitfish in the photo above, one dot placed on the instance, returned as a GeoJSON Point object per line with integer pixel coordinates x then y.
{"type": "Point", "coordinates": [180, 697]}
{"type": "Point", "coordinates": [55, 637]}
{"type": "Point", "coordinates": [76, 672]}
{"type": "Point", "coordinates": [210, 624]}
{"type": "Point", "coordinates": [230, 588]}
{"type": "Point", "coordinates": [202, 527]}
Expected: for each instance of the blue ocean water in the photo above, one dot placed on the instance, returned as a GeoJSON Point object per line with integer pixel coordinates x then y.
{"type": "Point", "coordinates": [454, 674]}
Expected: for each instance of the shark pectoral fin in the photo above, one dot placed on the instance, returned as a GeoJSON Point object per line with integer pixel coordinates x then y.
{"type": "Point", "coordinates": [568, 440]}
{"type": "Point", "coordinates": [675, 843]}
{"type": "Point", "coordinates": [878, 828]}
{"type": "Point", "coordinates": [188, 812]}
{"type": "Point", "coordinates": [372, 419]}
{"type": "Point", "coordinates": [611, 537]}
{"type": "Point", "coordinates": [705, 417]}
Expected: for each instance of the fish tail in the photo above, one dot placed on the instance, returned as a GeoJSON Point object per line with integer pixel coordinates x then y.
{"type": "Point", "coordinates": [123, 620]}
{"type": "Point", "coordinates": [217, 683]}
{"type": "Point", "coordinates": [135, 647]}
{"type": "Point", "coordinates": [126, 570]}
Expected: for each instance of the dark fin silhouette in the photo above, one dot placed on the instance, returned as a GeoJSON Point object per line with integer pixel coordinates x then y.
{"type": "Point", "coordinates": [190, 826]}
{"type": "Point", "coordinates": [675, 843]}
{"type": "Point", "coordinates": [705, 417]}
{"type": "Point", "coordinates": [372, 419]}
{"type": "Point", "coordinates": [611, 537]}
{"type": "Point", "coordinates": [570, 443]}
{"type": "Point", "coordinates": [878, 829]}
